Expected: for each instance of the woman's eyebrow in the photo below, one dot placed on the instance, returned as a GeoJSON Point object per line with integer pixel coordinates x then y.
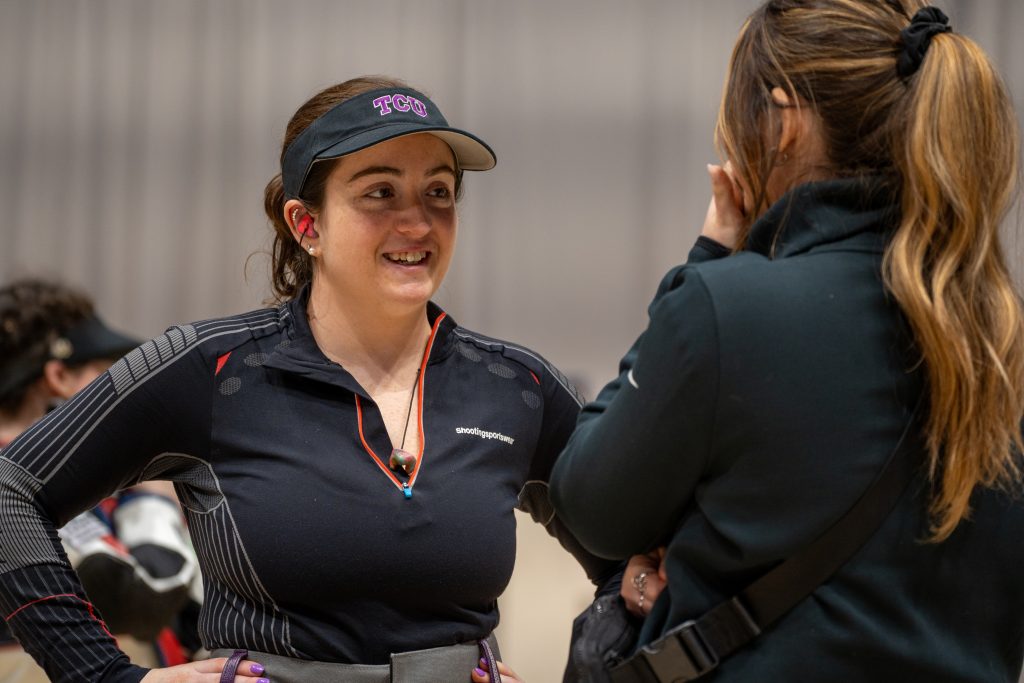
{"type": "Point", "coordinates": [391, 170]}
{"type": "Point", "coordinates": [371, 170]}
{"type": "Point", "coordinates": [443, 168]}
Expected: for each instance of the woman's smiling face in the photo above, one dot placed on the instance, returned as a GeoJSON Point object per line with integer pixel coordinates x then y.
{"type": "Point", "coordinates": [388, 224]}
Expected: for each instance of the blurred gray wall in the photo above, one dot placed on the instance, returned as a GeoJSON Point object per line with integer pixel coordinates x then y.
{"type": "Point", "coordinates": [136, 137]}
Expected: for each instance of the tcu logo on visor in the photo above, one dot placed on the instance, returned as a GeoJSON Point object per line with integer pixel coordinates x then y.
{"type": "Point", "coordinates": [400, 103]}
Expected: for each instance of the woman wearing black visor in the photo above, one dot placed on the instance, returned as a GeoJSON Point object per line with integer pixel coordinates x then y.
{"type": "Point", "coordinates": [349, 461]}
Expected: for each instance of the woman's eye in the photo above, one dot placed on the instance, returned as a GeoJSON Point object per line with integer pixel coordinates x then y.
{"type": "Point", "coordinates": [440, 192]}
{"type": "Point", "coordinates": [380, 193]}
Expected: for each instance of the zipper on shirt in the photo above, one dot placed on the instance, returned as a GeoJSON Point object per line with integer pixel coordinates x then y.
{"type": "Point", "coordinates": [404, 487]}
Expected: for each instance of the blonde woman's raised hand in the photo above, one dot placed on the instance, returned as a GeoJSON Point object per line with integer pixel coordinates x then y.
{"type": "Point", "coordinates": [726, 215]}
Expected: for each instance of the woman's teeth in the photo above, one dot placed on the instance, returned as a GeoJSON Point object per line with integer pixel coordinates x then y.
{"type": "Point", "coordinates": [406, 256]}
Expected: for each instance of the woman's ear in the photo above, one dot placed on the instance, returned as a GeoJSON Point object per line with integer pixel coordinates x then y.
{"type": "Point", "coordinates": [790, 114]}
{"type": "Point", "coordinates": [59, 380]}
{"type": "Point", "coordinates": [800, 137]}
{"type": "Point", "coordinates": [300, 221]}
{"type": "Point", "coordinates": [63, 382]}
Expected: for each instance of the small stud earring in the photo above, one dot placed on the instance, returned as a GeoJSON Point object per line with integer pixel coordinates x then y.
{"type": "Point", "coordinates": [311, 250]}
{"type": "Point", "coordinates": [295, 215]}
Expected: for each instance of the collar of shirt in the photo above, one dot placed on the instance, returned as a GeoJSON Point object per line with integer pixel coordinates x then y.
{"type": "Point", "coordinates": [820, 213]}
{"type": "Point", "coordinates": [303, 357]}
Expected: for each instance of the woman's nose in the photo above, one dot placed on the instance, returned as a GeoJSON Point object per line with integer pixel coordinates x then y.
{"type": "Point", "coordinates": [415, 219]}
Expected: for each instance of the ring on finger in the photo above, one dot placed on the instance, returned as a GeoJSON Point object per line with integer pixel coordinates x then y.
{"type": "Point", "coordinates": [640, 582]}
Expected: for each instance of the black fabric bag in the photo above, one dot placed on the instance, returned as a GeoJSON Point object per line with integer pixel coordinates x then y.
{"type": "Point", "coordinates": [603, 635]}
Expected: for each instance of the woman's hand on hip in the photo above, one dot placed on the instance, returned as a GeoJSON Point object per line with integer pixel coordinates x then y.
{"type": "Point", "coordinates": [726, 215]}
{"type": "Point", "coordinates": [643, 581]}
{"type": "Point", "coordinates": [207, 671]}
{"type": "Point", "coordinates": [481, 675]}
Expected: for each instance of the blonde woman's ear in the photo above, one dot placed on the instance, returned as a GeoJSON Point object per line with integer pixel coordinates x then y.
{"type": "Point", "coordinates": [792, 122]}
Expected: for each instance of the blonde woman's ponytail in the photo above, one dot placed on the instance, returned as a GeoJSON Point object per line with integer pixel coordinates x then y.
{"type": "Point", "coordinates": [957, 154]}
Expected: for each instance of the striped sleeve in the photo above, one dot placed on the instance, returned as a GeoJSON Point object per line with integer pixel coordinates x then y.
{"type": "Point", "coordinates": [44, 603]}
{"type": "Point", "coordinates": [94, 444]}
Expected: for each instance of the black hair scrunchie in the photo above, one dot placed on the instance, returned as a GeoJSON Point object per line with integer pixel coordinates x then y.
{"type": "Point", "coordinates": [926, 23]}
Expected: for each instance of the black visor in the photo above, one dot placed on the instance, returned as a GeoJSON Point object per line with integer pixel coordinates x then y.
{"type": "Point", "coordinates": [370, 118]}
{"type": "Point", "coordinates": [89, 339]}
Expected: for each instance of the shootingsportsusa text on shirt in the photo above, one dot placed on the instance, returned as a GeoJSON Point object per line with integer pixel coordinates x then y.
{"type": "Point", "coordinates": [483, 434]}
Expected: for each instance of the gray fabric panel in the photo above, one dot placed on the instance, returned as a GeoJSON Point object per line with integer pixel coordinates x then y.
{"type": "Point", "coordinates": [238, 609]}
{"type": "Point", "coordinates": [198, 490]}
{"type": "Point", "coordinates": [24, 540]}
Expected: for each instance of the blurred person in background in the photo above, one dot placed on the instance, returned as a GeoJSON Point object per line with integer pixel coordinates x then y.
{"type": "Point", "coordinates": [131, 551]}
{"type": "Point", "coordinates": [349, 461]}
{"type": "Point", "coordinates": [849, 288]}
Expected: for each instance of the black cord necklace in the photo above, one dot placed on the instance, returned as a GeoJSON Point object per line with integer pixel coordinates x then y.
{"type": "Point", "coordinates": [402, 459]}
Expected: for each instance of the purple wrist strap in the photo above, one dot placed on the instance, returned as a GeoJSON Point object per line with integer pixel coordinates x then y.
{"type": "Point", "coordinates": [492, 664]}
{"type": "Point", "coordinates": [227, 675]}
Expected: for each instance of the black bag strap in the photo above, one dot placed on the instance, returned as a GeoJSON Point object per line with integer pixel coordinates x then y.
{"type": "Point", "coordinates": [697, 646]}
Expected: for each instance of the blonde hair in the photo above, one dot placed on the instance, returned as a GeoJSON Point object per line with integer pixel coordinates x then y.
{"type": "Point", "coordinates": [946, 140]}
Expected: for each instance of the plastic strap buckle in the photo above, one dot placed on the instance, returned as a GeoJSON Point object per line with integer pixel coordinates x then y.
{"type": "Point", "coordinates": [681, 655]}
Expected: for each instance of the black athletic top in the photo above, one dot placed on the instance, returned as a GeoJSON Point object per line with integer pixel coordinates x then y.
{"type": "Point", "coordinates": [309, 547]}
{"type": "Point", "coordinates": [766, 393]}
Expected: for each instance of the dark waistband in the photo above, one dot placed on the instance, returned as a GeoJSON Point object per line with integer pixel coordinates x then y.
{"type": "Point", "coordinates": [450, 663]}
